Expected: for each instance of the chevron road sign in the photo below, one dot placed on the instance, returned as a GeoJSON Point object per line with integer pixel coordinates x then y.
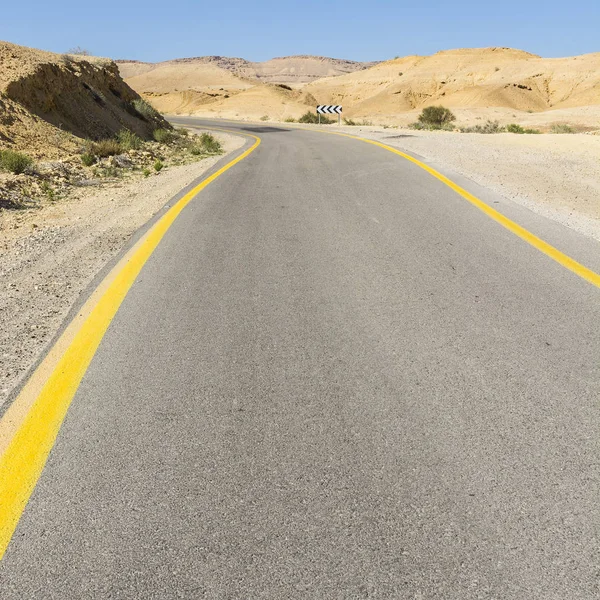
{"type": "Point", "coordinates": [329, 109]}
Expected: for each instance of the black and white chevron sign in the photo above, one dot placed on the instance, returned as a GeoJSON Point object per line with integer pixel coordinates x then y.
{"type": "Point", "coordinates": [329, 109]}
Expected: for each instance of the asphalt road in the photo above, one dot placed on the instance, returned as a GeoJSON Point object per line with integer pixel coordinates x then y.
{"type": "Point", "coordinates": [334, 378]}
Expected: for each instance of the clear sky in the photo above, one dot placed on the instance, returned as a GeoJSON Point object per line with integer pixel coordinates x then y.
{"type": "Point", "coordinates": [262, 29]}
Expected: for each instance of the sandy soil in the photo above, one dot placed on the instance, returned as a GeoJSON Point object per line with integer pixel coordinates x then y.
{"type": "Point", "coordinates": [49, 255]}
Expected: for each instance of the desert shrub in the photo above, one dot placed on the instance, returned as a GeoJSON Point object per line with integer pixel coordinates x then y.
{"type": "Point", "coordinates": [562, 128]}
{"type": "Point", "coordinates": [182, 131]}
{"type": "Point", "coordinates": [434, 117]}
{"type": "Point", "coordinates": [158, 165]}
{"type": "Point", "coordinates": [48, 190]}
{"type": "Point", "coordinates": [289, 120]}
{"type": "Point", "coordinates": [145, 108]}
{"type": "Point", "coordinates": [146, 172]}
{"type": "Point", "coordinates": [105, 148]}
{"type": "Point", "coordinates": [210, 143]}
{"type": "Point", "coordinates": [129, 140]}
{"type": "Point", "coordinates": [164, 136]}
{"type": "Point", "coordinates": [264, 118]}
{"type": "Point", "coordinates": [78, 50]}
{"type": "Point", "coordinates": [311, 117]}
{"type": "Point", "coordinates": [15, 162]}
{"type": "Point", "coordinates": [88, 159]}
{"type": "Point", "coordinates": [514, 128]}
{"type": "Point", "coordinates": [489, 127]}
{"type": "Point", "coordinates": [363, 123]}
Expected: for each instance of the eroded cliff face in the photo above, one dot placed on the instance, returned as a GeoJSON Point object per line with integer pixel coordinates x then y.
{"type": "Point", "coordinates": [44, 97]}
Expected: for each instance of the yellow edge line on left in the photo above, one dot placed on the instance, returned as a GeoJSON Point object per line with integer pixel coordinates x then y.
{"type": "Point", "coordinates": [29, 427]}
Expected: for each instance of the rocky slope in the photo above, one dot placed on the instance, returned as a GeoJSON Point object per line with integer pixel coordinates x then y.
{"type": "Point", "coordinates": [47, 98]}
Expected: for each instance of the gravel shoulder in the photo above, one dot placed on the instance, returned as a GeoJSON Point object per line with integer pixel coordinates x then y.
{"type": "Point", "coordinates": [557, 176]}
{"type": "Point", "coordinates": [50, 254]}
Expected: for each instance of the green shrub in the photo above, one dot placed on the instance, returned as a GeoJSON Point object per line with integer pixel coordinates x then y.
{"type": "Point", "coordinates": [158, 165]}
{"type": "Point", "coordinates": [514, 128]}
{"type": "Point", "coordinates": [146, 172]}
{"type": "Point", "coordinates": [416, 125]}
{"type": "Point", "coordinates": [210, 143]}
{"type": "Point", "coordinates": [48, 190]}
{"type": "Point", "coordinates": [182, 131]}
{"type": "Point", "coordinates": [164, 136]}
{"type": "Point", "coordinates": [435, 117]}
{"type": "Point", "coordinates": [311, 117]}
{"type": "Point", "coordinates": [562, 128]}
{"type": "Point", "coordinates": [105, 148]}
{"type": "Point", "coordinates": [88, 159]}
{"type": "Point", "coordinates": [289, 120]}
{"type": "Point", "coordinates": [15, 162]}
{"type": "Point", "coordinates": [129, 140]}
{"type": "Point", "coordinates": [145, 109]}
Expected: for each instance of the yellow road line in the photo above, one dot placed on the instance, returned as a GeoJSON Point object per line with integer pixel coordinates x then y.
{"type": "Point", "coordinates": [518, 230]}
{"type": "Point", "coordinates": [29, 427]}
{"type": "Point", "coordinates": [544, 247]}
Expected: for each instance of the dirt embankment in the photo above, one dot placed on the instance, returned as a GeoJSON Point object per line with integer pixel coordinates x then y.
{"type": "Point", "coordinates": [46, 99]}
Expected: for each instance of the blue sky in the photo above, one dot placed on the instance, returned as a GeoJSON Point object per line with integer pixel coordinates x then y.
{"type": "Point", "coordinates": [261, 29]}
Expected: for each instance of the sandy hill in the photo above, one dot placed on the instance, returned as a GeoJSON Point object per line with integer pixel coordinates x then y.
{"type": "Point", "coordinates": [475, 82]}
{"type": "Point", "coordinates": [487, 77]}
{"type": "Point", "coordinates": [288, 69]}
{"type": "Point", "coordinates": [43, 96]}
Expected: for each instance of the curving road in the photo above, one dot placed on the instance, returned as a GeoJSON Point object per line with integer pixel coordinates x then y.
{"type": "Point", "coordinates": [334, 378]}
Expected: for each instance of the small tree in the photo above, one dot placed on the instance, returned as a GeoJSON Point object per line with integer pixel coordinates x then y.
{"type": "Point", "coordinates": [79, 50]}
{"type": "Point", "coordinates": [436, 116]}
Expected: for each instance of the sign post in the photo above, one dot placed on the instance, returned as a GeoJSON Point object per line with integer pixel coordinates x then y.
{"type": "Point", "coordinates": [330, 109]}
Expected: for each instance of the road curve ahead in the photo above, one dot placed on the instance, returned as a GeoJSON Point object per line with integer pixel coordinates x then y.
{"type": "Point", "coordinates": [333, 378]}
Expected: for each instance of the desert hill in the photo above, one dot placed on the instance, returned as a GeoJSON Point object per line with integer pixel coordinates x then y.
{"type": "Point", "coordinates": [44, 97]}
{"type": "Point", "coordinates": [474, 81]}
{"type": "Point", "coordinates": [487, 77]}
{"type": "Point", "coordinates": [288, 69]}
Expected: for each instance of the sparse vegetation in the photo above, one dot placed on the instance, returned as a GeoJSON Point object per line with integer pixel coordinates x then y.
{"type": "Point", "coordinates": [264, 118]}
{"type": "Point", "coordinates": [48, 191]}
{"type": "Point", "coordinates": [79, 51]}
{"type": "Point", "coordinates": [158, 165]}
{"type": "Point", "coordinates": [164, 136]}
{"type": "Point", "coordinates": [290, 120]}
{"type": "Point", "coordinates": [15, 162]}
{"type": "Point", "coordinates": [488, 127]}
{"type": "Point", "coordinates": [88, 159]}
{"type": "Point", "coordinates": [129, 140]}
{"type": "Point", "coordinates": [436, 117]}
{"type": "Point", "coordinates": [145, 109]}
{"type": "Point", "coordinates": [210, 143]}
{"type": "Point", "coordinates": [105, 148]}
{"type": "Point", "coordinates": [514, 128]}
{"type": "Point", "coordinates": [562, 128]}
{"type": "Point", "coordinates": [146, 172]}
{"type": "Point", "coordinates": [362, 123]}
{"type": "Point", "coordinates": [311, 117]}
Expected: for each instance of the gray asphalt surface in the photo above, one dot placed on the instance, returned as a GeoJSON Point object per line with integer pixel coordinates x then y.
{"type": "Point", "coordinates": [335, 378]}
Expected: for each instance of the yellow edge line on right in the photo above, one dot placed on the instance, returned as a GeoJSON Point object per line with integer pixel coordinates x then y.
{"type": "Point", "coordinates": [549, 250]}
